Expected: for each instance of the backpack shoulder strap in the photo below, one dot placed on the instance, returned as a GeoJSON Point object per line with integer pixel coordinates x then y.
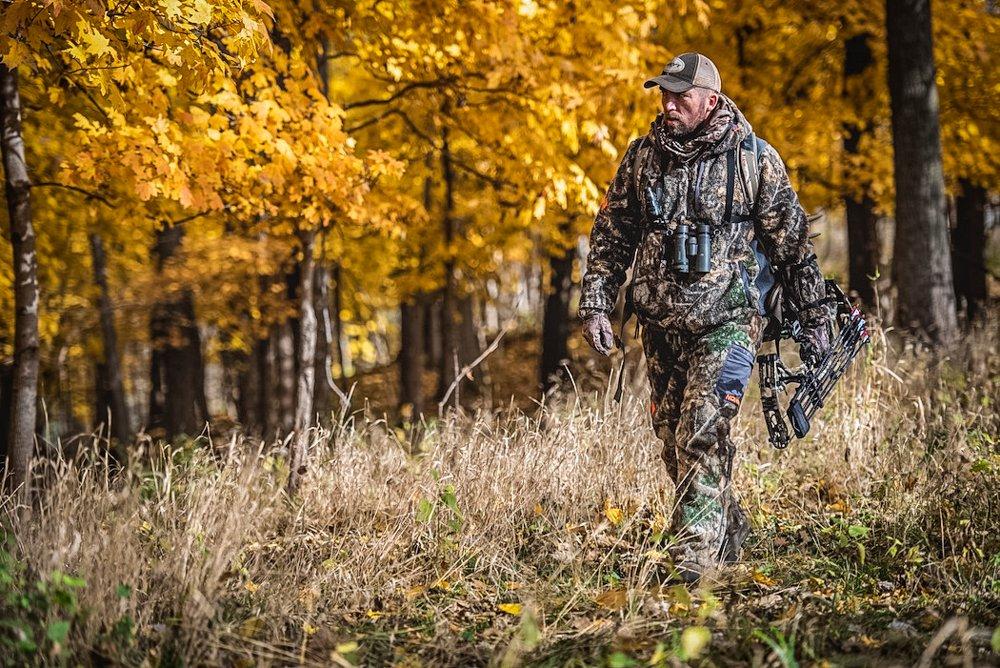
{"type": "Point", "coordinates": [635, 163]}
{"type": "Point", "coordinates": [749, 164]}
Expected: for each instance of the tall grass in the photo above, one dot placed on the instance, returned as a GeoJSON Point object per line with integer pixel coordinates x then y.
{"type": "Point", "coordinates": [514, 537]}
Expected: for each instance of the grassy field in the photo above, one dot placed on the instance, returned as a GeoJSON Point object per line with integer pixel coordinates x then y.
{"type": "Point", "coordinates": [532, 539]}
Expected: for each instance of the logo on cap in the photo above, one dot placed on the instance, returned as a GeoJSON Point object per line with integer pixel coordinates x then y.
{"type": "Point", "coordinates": [675, 66]}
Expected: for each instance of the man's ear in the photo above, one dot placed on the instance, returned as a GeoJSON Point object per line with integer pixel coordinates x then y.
{"type": "Point", "coordinates": [713, 101]}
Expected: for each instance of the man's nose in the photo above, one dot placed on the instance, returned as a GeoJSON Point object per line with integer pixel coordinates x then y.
{"type": "Point", "coordinates": [669, 104]}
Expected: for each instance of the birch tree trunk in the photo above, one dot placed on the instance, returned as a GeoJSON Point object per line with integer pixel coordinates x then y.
{"type": "Point", "coordinates": [17, 187]}
{"type": "Point", "coordinates": [306, 354]}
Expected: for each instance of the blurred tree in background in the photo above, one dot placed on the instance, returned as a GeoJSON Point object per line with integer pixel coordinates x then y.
{"type": "Point", "coordinates": [240, 208]}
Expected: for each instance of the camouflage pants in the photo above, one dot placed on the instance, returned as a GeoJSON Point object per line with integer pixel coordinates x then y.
{"type": "Point", "coordinates": [697, 382]}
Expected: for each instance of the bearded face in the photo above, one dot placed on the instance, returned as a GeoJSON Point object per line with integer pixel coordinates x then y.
{"type": "Point", "coordinates": [683, 112]}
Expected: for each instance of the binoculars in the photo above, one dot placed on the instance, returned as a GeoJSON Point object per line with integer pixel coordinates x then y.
{"type": "Point", "coordinates": [688, 242]}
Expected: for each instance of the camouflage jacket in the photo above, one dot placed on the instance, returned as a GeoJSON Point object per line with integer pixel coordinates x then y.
{"type": "Point", "coordinates": [695, 191]}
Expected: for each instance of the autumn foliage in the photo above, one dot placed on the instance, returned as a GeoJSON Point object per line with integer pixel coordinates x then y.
{"type": "Point", "coordinates": [260, 219]}
{"type": "Point", "coordinates": [419, 151]}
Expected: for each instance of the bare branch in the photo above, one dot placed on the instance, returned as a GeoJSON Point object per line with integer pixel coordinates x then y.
{"type": "Point", "coordinates": [89, 194]}
{"type": "Point", "coordinates": [469, 367]}
{"type": "Point", "coordinates": [399, 93]}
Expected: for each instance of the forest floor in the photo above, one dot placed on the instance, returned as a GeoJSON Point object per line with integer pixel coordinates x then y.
{"type": "Point", "coordinates": [535, 538]}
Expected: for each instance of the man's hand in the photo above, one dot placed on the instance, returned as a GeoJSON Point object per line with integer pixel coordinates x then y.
{"type": "Point", "coordinates": [597, 331]}
{"type": "Point", "coordinates": [817, 342]}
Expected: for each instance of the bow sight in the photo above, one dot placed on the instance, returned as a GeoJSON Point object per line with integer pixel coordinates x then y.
{"type": "Point", "coordinates": [815, 380]}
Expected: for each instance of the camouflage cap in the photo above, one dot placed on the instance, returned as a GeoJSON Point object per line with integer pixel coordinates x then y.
{"type": "Point", "coordinates": [687, 71]}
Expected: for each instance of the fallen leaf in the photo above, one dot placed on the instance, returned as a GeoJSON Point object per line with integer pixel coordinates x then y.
{"type": "Point", "coordinates": [838, 507]}
{"type": "Point", "coordinates": [762, 579]}
{"type": "Point", "coordinates": [613, 599]}
{"type": "Point", "coordinates": [510, 608]}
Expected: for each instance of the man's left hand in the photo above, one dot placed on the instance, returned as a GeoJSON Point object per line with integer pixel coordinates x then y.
{"type": "Point", "coordinates": [816, 344]}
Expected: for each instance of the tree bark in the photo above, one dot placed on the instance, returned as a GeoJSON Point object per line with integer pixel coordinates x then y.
{"type": "Point", "coordinates": [251, 405]}
{"type": "Point", "coordinates": [452, 357]}
{"type": "Point", "coordinates": [6, 399]}
{"type": "Point", "coordinates": [177, 401]}
{"type": "Point", "coordinates": [411, 362]}
{"type": "Point", "coordinates": [323, 394]}
{"type": "Point", "coordinates": [969, 247]}
{"type": "Point", "coordinates": [429, 304]}
{"type": "Point", "coordinates": [556, 321]}
{"type": "Point", "coordinates": [432, 332]}
{"type": "Point", "coordinates": [862, 231]}
{"type": "Point", "coordinates": [17, 187]}
{"type": "Point", "coordinates": [343, 358]}
{"type": "Point", "coordinates": [449, 340]}
{"type": "Point", "coordinates": [306, 354]}
{"type": "Point", "coordinates": [284, 371]}
{"type": "Point", "coordinates": [113, 388]}
{"type": "Point", "coordinates": [921, 257]}
{"type": "Point", "coordinates": [468, 331]}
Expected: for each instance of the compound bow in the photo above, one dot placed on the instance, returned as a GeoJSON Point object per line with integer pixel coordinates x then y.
{"type": "Point", "coordinates": [815, 379]}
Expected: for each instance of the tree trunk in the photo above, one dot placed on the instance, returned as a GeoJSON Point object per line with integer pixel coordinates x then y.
{"type": "Point", "coordinates": [6, 399]}
{"type": "Point", "coordinates": [969, 248]}
{"type": "Point", "coordinates": [284, 373]}
{"type": "Point", "coordinates": [451, 322]}
{"type": "Point", "coordinates": [17, 188]}
{"type": "Point", "coordinates": [468, 331]}
{"type": "Point", "coordinates": [921, 257]}
{"type": "Point", "coordinates": [239, 386]}
{"type": "Point", "coordinates": [113, 388]}
{"type": "Point", "coordinates": [862, 231]}
{"type": "Point", "coordinates": [556, 322]}
{"type": "Point", "coordinates": [323, 394]}
{"type": "Point", "coordinates": [432, 331]}
{"type": "Point", "coordinates": [306, 355]}
{"type": "Point", "coordinates": [343, 360]}
{"type": "Point", "coordinates": [411, 362]}
{"type": "Point", "coordinates": [177, 375]}
{"type": "Point", "coordinates": [263, 352]}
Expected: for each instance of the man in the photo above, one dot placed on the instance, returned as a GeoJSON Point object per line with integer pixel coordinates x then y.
{"type": "Point", "coordinates": [702, 323]}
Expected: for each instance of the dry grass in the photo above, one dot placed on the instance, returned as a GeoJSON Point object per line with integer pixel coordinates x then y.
{"type": "Point", "coordinates": [514, 539]}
